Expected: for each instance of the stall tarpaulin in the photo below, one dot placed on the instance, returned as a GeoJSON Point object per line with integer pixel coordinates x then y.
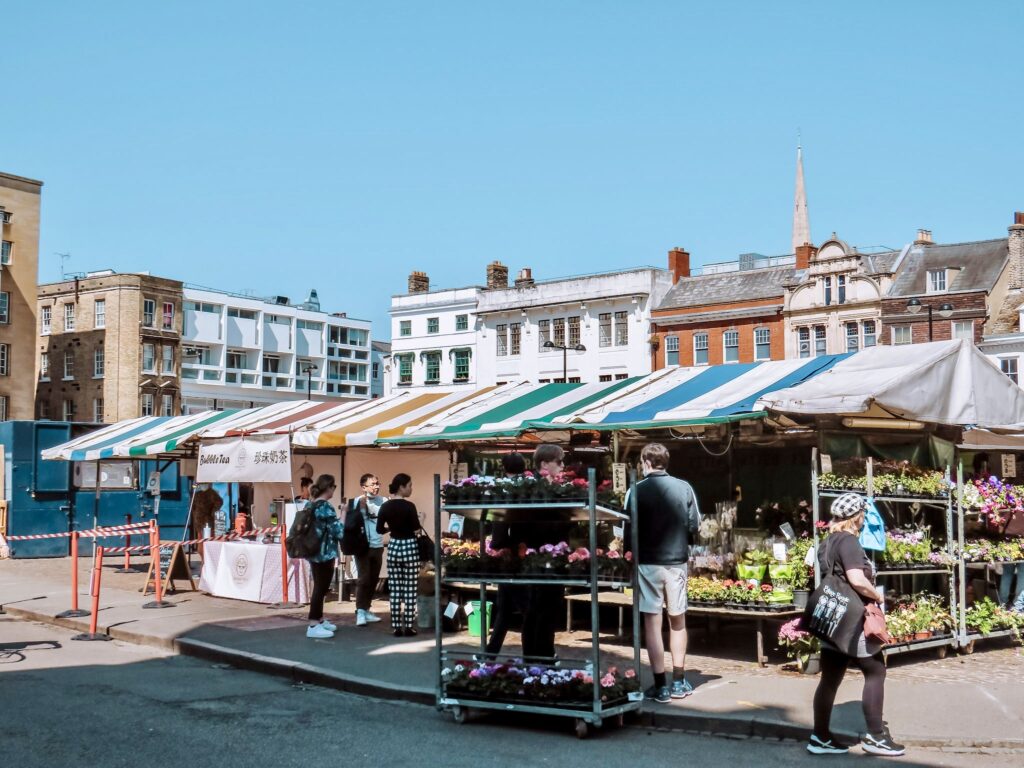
{"type": "Point", "coordinates": [247, 459]}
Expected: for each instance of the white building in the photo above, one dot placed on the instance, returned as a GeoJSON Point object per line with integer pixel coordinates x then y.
{"type": "Point", "coordinates": [496, 334]}
{"type": "Point", "coordinates": [240, 352]}
{"type": "Point", "coordinates": [380, 359]}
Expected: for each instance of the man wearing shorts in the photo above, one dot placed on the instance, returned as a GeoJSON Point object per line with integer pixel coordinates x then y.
{"type": "Point", "coordinates": [667, 518]}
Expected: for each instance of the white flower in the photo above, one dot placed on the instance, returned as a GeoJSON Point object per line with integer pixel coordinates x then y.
{"type": "Point", "coordinates": [459, 668]}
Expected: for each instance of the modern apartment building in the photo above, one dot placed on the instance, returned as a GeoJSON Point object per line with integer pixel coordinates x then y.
{"type": "Point", "coordinates": [242, 351]}
{"type": "Point", "coordinates": [108, 347]}
{"type": "Point", "coordinates": [19, 273]}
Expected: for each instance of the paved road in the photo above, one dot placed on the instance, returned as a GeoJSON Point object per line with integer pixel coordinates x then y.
{"type": "Point", "coordinates": [116, 704]}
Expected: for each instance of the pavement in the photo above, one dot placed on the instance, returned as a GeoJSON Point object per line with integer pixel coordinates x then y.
{"type": "Point", "coordinates": [970, 702]}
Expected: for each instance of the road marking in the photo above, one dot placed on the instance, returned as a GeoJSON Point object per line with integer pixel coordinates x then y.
{"type": "Point", "coordinates": [1002, 706]}
{"type": "Point", "coordinates": [750, 704]}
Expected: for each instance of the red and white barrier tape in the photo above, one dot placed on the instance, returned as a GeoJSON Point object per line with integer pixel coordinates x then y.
{"type": "Point", "coordinates": [117, 530]}
{"type": "Point", "coordinates": [140, 548]}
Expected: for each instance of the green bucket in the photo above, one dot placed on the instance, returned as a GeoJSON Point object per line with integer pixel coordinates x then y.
{"type": "Point", "coordinates": [474, 617]}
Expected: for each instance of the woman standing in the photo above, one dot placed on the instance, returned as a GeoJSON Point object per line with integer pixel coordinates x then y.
{"type": "Point", "coordinates": [322, 564]}
{"type": "Point", "coordinates": [842, 555]}
{"type": "Point", "coordinates": [398, 516]}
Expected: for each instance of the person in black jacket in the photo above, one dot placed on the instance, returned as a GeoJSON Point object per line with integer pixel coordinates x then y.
{"type": "Point", "coordinates": [667, 517]}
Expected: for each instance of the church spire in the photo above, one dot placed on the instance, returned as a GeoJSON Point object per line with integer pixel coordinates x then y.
{"type": "Point", "coordinates": [801, 219]}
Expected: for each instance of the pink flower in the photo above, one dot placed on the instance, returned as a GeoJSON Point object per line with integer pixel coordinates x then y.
{"type": "Point", "coordinates": [608, 680]}
{"type": "Point", "coordinates": [630, 674]}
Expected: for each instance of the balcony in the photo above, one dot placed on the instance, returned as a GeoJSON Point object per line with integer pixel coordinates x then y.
{"type": "Point", "coordinates": [194, 372]}
{"type": "Point", "coordinates": [202, 327]}
{"type": "Point", "coordinates": [277, 381]}
{"type": "Point", "coordinates": [309, 343]}
{"type": "Point", "coordinates": [277, 337]}
{"type": "Point", "coordinates": [243, 332]}
{"type": "Point", "coordinates": [242, 377]}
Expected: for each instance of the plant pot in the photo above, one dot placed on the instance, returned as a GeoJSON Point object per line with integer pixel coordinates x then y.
{"type": "Point", "coordinates": [800, 597]}
{"type": "Point", "coordinates": [809, 664]}
{"type": "Point", "coordinates": [923, 634]}
{"type": "Point", "coordinates": [756, 572]}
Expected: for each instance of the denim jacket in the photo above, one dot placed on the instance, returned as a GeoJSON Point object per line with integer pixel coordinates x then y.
{"type": "Point", "coordinates": [329, 527]}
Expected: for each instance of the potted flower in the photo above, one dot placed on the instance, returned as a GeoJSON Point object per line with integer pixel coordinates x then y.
{"type": "Point", "coordinates": [802, 646]}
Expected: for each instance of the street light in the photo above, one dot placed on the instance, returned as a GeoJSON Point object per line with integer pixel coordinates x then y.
{"type": "Point", "coordinates": [308, 370]}
{"type": "Point", "coordinates": [565, 356]}
{"type": "Point", "coordinates": [945, 311]}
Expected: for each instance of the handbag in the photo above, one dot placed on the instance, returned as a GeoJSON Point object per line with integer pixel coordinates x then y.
{"type": "Point", "coordinates": [874, 624]}
{"type": "Point", "coordinates": [834, 612]}
{"type": "Point", "coordinates": [354, 540]}
{"type": "Point", "coordinates": [424, 546]}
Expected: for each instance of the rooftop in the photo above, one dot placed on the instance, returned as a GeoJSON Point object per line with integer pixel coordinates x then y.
{"type": "Point", "coordinates": [728, 287]}
{"type": "Point", "coordinates": [978, 264]}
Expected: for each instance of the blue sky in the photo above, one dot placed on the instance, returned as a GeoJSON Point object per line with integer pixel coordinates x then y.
{"type": "Point", "coordinates": [274, 147]}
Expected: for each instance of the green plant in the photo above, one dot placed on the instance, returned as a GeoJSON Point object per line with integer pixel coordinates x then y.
{"type": "Point", "coordinates": [758, 557]}
{"type": "Point", "coordinates": [982, 616]}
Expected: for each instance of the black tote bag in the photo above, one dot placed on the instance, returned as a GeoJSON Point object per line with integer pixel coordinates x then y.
{"type": "Point", "coordinates": [835, 612]}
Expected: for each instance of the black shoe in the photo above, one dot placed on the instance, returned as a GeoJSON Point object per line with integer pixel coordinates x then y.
{"type": "Point", "coordinates": [881, 744]}
{"type": "Point", "coordinates": [399, 633]}
{"type": "Point", "coordinates": [829, 746]}
{"type": "Point", "coordinates": [410, 632]}
{"type": "Point", "coordinates": [658, 693]}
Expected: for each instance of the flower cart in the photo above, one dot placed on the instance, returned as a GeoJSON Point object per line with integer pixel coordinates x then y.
{"type": "Point", "coordinates": [581, 689]}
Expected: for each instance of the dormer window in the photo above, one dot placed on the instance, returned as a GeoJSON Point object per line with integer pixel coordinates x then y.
{"type": "Point", "coordinates": [936, 281]}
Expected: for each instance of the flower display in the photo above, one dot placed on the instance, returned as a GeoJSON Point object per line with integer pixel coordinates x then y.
{"type": "Point", "coordinates": [986, 551]}
{"type": "Point", "coordinates": [518, 682]}
{"type": "Point", "coordinates": [890, 478]}
{"type": "Point", "coordinates": [916, 615]}
{"type": "Point", "coordinates": [463, 558]}
{"type": "Point", "coordinates": [994, 499]}
{"type": "Point", "coordinates": [986, 617]}
{"type": "Point", "coordinates": [527, 488]}
{"type": "Point", "coordinates": [796, 641]}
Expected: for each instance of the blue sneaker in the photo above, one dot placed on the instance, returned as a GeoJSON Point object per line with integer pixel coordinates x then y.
{"type": "Point", "coordinates": [681, 689]}
{"type": "Point", "coordinates": [658, 693]}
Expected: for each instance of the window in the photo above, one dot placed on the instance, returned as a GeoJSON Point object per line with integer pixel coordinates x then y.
{"type": "Point", "coordinates": [963, 329]}
{"type": "Point", "coordinates": [167, 363]}
{"type": "Point", "coordinates": [731, 344]}
{"type": "Point", "coordinates": [44, 409]}
{"type": "Point", "coordinates": [98, 360]}
{"type": "Point", "coordinates": [432, 361]}
{"type": "Point", "coordinates": [762, 344]}
{"type": "Point", "coordinates": [543, 333]}
{"type": "Point", "coordinates": [405, 328]}
{"type": "Point", "coordinates": [405, 369]}
{"type": "Point", "coordinates": [462, 322]}
{"type": "Point", "coordinates": [241, 314]}
{"type": "Point", "coordinates": [271, 363]}
{"type": "Point", "coordinates": [167, 406]}
{"type": "Point", "coordinates": [69, 410]}
{"type": "Point", "coordinates": [309, 325]}
{"type": "Point", "coordinates": [901, 334]}
{"type": "Point", "coordinates": [202, 306]}
{"type": "Point", "coordinates": [820, 343]}
{"type": "Point", "coordinates": [376, 370]}
{"type": "Point", "coordinates": [827, 283]}
{"type": "Point", "coordinates": [69, 317]}
{"type": "Point", "coordinates": [147, 404]}
{"type": "Point", "coordinates": [501, 340]}
{"type": "Point", "coordinates": [149, 313]}
{"type": "Point", "coordinates": [200, 355]}
{"type": "Point", "coordinates": [621, 376]}
{"type": "Point", "coordinates": [1008, 365]}
{"type": "Point", "coordinates": [671, 350]}
{"type": "Point", "coordinates": [841, 288]}
{"type": "Point", "coordinates": [936, 281]}
{"type": "Point", "coordinates": [869, 333]}
{"type": "Point", "coordinates": [604, 329]}
{"type": "Point", "coordinates": [574, 379]}
{"type": "Point", "coordinates": [515, 337]}
{"type": "Point", "coordinates": [574, 331]}
{"type": "Point", "coordinates": [559, 323]}
{"type": "Point", "coordinates": [5, 405]}
{"type": "Point", "coordinates": [462, 365]}
{"type": "Point", "coordinates": [168, 316]}
{"type": "Point", "coordinates": [44, 366]}
{"type": "Point", "coordinates": [236, 360]}
{"type": "Point", "coordinates": [149, 358]}
{"type": "Point", "coordinates": [852, 337]}
{"type": "Point", "coordinates": [97, 410]}
{"type": "Point", "coordinates": [604, 377]}
{"type": "Point", "coordinates": [5, 359]}
{"type": "Point", "coordinates": [100, 313]}
{"type": "Point", "coordinates": [621, 328]}
{"type": "Point", "coordinates": [804, 342]}
{"type": "Point", "coordinates": [69, 365]}
{"type": "Point", "coordinates": [45, 319]}
{"type": "Point", "coordinates": [433, 325]}
{"type": "Point", "coordinates": [5, 254]}
{"type": "Point", "coordinates": [700, 349]}
{"type": "Point", "coordinates": [5, 307]}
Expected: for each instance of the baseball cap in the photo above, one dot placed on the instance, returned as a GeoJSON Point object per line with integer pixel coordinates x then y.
{"type": "Point", "coordinates": [848, 505]}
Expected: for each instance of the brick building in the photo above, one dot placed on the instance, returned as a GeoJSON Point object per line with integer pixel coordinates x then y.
{"type": "Point", "coordinates": [19, 273]}
{"type": "Point", "coordinates": [109, 347]}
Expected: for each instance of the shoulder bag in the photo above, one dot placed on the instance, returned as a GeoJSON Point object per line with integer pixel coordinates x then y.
{"type": "Point", "coordinates": [354, 540]}
{"type": "Point", "coordinates": [424, 546]}
{"type": "Point", "coordinates": [835, 612]}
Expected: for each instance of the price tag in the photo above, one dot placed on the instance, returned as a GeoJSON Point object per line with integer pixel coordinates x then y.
{"type": "Point", "coordinates": [468, 608]}
{"type": "Point", "coordinates": [826, 464]}
{"type": "Point", "coordinates": [1009, 465]}
{"type": "Point", "coordinates": [451, 609]}
{"type": "Point", "coordinates": [618, 531]}
{"type": "Point", "coordinates": [779, 550]}
{"type": "Point", "coordinates": [619, 477]}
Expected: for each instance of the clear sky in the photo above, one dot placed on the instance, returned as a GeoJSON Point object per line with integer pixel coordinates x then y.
{"type": "Point", "coordinates": [273, 147]}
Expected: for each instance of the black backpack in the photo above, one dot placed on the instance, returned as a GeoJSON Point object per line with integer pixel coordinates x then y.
{"type": "Point", "coordinates": [304, 539]}
{"type": "Point", "coordinates": [354, 540]}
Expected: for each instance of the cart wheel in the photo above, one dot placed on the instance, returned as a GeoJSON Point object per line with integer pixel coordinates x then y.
{"type": "Point", "coordinates": [968, 649]}
{"type": "Point", "coordinates": [581, 728]}
{"type": "Point", "coordinates": [941, 652]}
{"type": "Point", "coordinates": [620, 720]}
{"type": "Point", "coordinates": [459, 715]}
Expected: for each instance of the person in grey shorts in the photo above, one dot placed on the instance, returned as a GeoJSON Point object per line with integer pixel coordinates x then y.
{"type": "Point", "coordinates": [667, 518]}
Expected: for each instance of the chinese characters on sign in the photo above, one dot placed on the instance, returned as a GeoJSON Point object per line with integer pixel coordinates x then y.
{"type": "Point", "coordinates": [263, 459]}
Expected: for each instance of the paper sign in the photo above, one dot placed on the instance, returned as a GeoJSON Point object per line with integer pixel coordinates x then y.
{"type": "Point", "coordinates": [1009, 465]}
{"type": "Point", "coordinates": [468, 608]}
{"type": "Point", "coordinates": [246, 460]}
{"type": "Point", "coordinates": [779, 550]}
{"type": "Point", "coordinates": [826, 463]}
{"type": "Point", "coordinates": [618, 531]}
{"type": "Point", "coordinates": [619, 477]}
{"type": "Point", "coordinates": [451, 610]}
{"type": "Point", "coordinates": [456, 524]}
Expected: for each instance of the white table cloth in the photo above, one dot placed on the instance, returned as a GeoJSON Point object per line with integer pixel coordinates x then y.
{"type": "Point", "coordinates": [244, 570]}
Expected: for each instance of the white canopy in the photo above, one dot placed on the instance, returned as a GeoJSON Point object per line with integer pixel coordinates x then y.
{"type": "Point", "coordinates": [943, 382]}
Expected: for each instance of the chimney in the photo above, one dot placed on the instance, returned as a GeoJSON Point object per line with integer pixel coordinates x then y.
{"type": "Point", "coordinates": [1016, 250]}
{"type": "Point", "coordinates": [924, 237]}
{"type": "Point", "coordinates": [418, 282]}
{"type": "Point", "coordinates": [678, 264]}
{"type": "Point", "coordinates": [525, 277]}
{"type": "Point", "coordinates": [497, 275]}
{"type": "Point", "coordinates": [804, 254]}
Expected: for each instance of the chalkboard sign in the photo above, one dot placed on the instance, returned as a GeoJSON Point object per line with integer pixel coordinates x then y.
{"type": "Point", "coordinates": [173, 567]}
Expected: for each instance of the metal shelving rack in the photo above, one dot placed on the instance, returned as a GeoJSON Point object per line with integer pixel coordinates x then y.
{"type": "Point", "coordinates": [588, 512]}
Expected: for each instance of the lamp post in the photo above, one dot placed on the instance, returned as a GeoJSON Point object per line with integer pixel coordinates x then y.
{"type": "Point", "coordinates": [914, 306]}
{"type": "Point", "coordinates": [308, 370]}
{"type": "Point", "coordinates": [565, 356]}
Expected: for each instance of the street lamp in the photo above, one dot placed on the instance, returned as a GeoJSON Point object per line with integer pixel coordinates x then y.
{"type": "Point", "coordinates": [308, 370]}
{"type": "Point", "coordinates": [565, 356]}
{"type": "Point", "coordinates": [945, 311]}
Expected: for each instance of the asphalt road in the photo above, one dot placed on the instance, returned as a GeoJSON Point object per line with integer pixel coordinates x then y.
{"type": "Point", "coordinates": [113, 704]}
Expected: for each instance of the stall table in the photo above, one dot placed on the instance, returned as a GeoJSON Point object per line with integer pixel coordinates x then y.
{"type": "Point", "coordinates": [246, 570]}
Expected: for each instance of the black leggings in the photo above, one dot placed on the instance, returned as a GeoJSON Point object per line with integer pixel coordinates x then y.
{"type": "Point", "coordinates": [323, 573]}
{"type": "Point", "coordinates": [833, 669]}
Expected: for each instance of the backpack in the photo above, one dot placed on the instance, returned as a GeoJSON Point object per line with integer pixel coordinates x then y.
{"type": "Point", "coordinates": [304, 540]}
{"type": "Point", "coordinates": [353, 538]}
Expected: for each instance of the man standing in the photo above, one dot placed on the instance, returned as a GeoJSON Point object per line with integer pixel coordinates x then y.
{"type": "Point", "coordinates": [667, 518]}
{"type": "Point", "coordinates": [362, 512]}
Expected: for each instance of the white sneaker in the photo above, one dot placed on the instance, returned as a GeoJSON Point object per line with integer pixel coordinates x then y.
{"type": "Point", "coordinates": [360, 618]}
{"type": "Point", "coordinates": [319, 632]}
{"type": "Point", "coordinates": [328, 626]}
{"type": "Point", "coordinates": [370, 618]}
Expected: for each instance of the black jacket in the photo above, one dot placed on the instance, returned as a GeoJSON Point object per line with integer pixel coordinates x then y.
{"type": "Point", "coordinates": [667, 518]}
